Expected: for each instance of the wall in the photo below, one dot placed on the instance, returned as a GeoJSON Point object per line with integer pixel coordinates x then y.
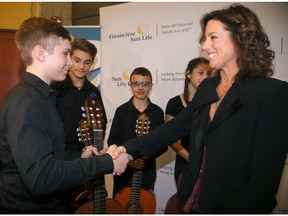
{"type": "Point", "coordinates": [72, 13]}
{"type": "Point", "coordinates": [87, 13]}
{"type": "Point", "coordinates": [10, 63]}
{"type": "Point", "coordinates": [62, 9]}
{"type": "Point", "coordinates": [13, 13]}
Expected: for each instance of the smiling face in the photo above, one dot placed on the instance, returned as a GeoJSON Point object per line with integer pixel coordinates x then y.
{"type": "Point", "coordinates": [219, 46]}
{"type": "Point", "coordinates": [57, 62]}
{"type": "Point", "coordinates": [82, 62]}
{"type": "Point", "coordinates": [198, 74]}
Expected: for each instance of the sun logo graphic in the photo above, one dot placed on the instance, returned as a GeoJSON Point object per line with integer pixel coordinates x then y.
{"type": "Point", "coordinates": [142, 29]}
{"type": "Point", "coordinates": [122, 81]}
{"type": "Point", "coordinates": [125, 75]}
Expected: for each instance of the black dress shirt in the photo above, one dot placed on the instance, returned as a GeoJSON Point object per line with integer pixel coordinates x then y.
{"type": "Point", "coordinates": [123, 129]}
{"type": "Point", "coordinates": [33, 171]}
{"type": "Point", "coordinates": [69, 103]}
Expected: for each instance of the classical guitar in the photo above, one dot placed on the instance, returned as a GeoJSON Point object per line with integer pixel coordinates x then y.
{"type": "Point", "coordinates": [136, 200]}
{"type": "Point", "coordinates": [91, 133]}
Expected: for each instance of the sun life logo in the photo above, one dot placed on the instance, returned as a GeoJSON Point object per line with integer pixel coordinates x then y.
{"type": "Point", "coordinates": [142, 32]}
{"type": "Point", "coordinates": [142, 28]}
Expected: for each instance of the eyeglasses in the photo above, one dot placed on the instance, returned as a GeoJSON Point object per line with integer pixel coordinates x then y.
{"type": "Point", "coordinates": [143, 83]}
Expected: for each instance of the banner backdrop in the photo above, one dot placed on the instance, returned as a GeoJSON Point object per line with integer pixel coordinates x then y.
{"type": "Point", "coordinates": [164, 37]}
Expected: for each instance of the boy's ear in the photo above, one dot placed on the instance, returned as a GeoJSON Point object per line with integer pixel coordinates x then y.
{"type": "Point", "coordinates": [39, 53]}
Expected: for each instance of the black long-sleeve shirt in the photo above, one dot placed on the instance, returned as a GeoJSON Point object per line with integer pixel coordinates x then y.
{"type": "Point", "coordinates": [32, 167]}
{"type": "Point", "coordinates": [123, 129]}
{"type": "Point", "coordinates": [69, 103]}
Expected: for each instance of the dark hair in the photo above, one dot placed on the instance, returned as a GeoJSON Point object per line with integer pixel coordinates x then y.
{"type": "Point", "coordinates": [189, 70]}
{"type": "Point", "coordinates": [141, 71]}
{"type": "Point", "coordinates": [251, 42]}
{"type": "Point", "coordinates": [38, 30]}
{"type": "Point", "coordinates": [85, 46]}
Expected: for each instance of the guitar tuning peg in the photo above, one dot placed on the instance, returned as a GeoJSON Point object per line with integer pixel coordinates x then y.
{"type": "Point", "coordinates": [83, 108]}
{"type": "Point", "coordinates": [84, 115]}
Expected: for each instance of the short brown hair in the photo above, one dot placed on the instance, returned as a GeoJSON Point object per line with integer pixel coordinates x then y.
{"type": "Point", "coordinates": [38, 30]}
{"type": "Point", "coordinates": [85, 46]}
{"type": "Point", "coordinates": [141, 71]}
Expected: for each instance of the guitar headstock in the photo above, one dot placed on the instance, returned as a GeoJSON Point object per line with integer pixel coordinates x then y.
{"type": "Point", "coordinates": [91, 129]}
{"type": "Point", "coordinates": [142, 124]}
{"type": "Point", "coordinates": [93, 112]}
{"type": "Point", "coordinates": [84, 132]}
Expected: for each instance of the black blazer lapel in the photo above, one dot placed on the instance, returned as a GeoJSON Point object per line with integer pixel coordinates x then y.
{"type": "Point", "coordinates": [199, 128]}
{"type": "Point", "coordinates": [230, 105]}
{"type": "Point", "coordinates": [205, 95]}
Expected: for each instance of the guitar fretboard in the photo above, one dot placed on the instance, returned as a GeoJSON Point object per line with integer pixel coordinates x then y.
{"type": "Point", "coordinates": [99, 200]}
{"type": "Point", "coordinates": [136, 187]}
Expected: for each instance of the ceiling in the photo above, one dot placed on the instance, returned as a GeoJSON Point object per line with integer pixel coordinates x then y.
{"type": "Point", "coordinates": [87, 13]}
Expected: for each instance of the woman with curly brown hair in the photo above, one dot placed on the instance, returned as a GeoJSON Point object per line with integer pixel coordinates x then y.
{"type": "Point", "coordinates": [237, 122]}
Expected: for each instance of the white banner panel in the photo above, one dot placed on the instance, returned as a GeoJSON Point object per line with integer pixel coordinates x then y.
{"type": "Point", "coordinates": [163, 37]}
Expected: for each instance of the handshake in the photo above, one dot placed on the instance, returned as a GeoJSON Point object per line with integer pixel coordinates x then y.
{"type": "Point", "coordinates": [118, 154]}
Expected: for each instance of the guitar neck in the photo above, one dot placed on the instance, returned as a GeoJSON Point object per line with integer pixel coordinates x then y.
{"type": "Point", "coordinates": [98, 139]}
{"type": "Point", "coordinates": [142, 126]}
{"type": "Point", "coordinates": [99, 200]}
{"type": "Point", "coordinates": [136, 187]}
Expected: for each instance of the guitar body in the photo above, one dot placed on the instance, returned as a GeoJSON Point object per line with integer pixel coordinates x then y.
{"type": "Point", "coordinates": [173, 205]}
{"type": "Point", "coordinates": [147, 201]}
{"type": "Point", "coordinates": [112, 207]}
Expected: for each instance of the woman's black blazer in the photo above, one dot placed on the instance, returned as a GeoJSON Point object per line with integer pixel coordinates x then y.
{"type": "Point", "coordinates": [246, 145]}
